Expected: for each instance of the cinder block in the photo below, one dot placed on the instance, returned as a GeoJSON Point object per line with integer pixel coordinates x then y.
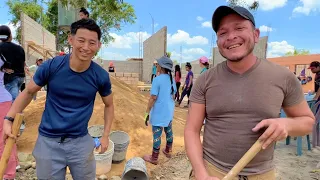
{"type": "Point", "coordinates": [127, 74]}
{"type": "Point", "coordinates": [135, 75]}
{"type": "Point", "coordinates": [119, 74]}
{"type": "Point", "coordinates": [123, 78]}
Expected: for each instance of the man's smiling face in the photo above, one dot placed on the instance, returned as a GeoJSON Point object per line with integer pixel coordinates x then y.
{"type": "Point", "coordinates": [236, 37]}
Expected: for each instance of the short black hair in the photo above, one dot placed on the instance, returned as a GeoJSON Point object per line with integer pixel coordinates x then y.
{"type": "Point", "coordinates": [188, 65]}
{"type": "Point", "coordinates": [84, 11]}
{"type": "Point", "coordinates": [89, 24]}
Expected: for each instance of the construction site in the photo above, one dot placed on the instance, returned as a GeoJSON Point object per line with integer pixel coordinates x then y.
{"type": "Point", "coordinates": [130, 87]}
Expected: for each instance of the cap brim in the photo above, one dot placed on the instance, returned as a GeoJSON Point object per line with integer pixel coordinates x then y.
{"type": "Point", "coordinates": [220, 13]}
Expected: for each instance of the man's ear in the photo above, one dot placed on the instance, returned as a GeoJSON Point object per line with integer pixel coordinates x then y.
{"type": "Point", "coordinates": [256, 35]}
{"type": "Point", "coordinates": [70, 38]}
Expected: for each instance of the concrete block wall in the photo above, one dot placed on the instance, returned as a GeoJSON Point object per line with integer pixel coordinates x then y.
{"type": "Point", "coordinates": [124, 66]}
{"type": "Point", "coordinates": [154, 47]}
{"type": "Point", "coordinates": [260, 50]}
{"type": "Point", "coordinates": [129, 78]}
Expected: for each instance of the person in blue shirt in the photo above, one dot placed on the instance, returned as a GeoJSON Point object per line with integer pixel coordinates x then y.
{"type": "Point", "coordinates": [73, 81]}
{"type": "Point", "coordinates": [154, 71]}
{"type": "Point", "coordinates": [161, 109]}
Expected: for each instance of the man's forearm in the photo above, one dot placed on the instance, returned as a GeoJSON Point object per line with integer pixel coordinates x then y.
{"type": "Point", "coordinates": [20, 103]}
{"type": "Point", "coordinates": [300, 126]}
{"type": "Point", "coordinates": [195, 152]}
{"type": "Point", "coordinates": [108, 118]}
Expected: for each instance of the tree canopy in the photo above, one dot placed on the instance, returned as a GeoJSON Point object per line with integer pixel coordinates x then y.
{"type": "Point", "coordinates": [297, 52]}
{"type": "Point", "coordinates": [254, 6]}
{"type": "Point", "coordinates": [109, 14]}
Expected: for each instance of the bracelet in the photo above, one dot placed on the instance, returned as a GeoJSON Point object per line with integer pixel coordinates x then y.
{"type": "Point", "coordinates": [9, 118]}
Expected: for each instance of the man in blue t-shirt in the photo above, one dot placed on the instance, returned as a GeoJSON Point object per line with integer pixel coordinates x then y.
{"type": "Point", "coordinates": [72, 81]}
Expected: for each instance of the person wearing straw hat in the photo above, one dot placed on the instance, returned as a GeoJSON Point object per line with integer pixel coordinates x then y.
{"type": "Point", "coordinates": [241, 104]}
{"type": "Point", "coordinates": [160, 109]}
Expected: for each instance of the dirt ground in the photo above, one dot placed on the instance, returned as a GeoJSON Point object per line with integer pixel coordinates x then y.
{"type": "Point", "coordinates": [130, 106]}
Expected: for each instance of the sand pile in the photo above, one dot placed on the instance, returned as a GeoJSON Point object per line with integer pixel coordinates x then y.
{"type": "Point", "coordinates": [130, 106]}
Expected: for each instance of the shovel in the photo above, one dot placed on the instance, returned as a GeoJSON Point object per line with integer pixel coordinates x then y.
{"type": "Point", "coordinates": [9, 144]}
{"type": "Point", "coordinates": [246, 158]}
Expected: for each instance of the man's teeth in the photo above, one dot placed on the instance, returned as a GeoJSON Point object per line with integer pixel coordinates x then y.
{"type": "Point", "coordinates": [234, 46]}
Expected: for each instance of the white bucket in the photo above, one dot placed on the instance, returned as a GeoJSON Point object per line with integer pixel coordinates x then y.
{"type": "Point", "coordinates": [96, 131]}
{"type": "Point", "coordinates": [121, 141]}
{"type": "Point", "coordinates": [104, 161]}
{"type": "Point", "coordinates": [135, 169]}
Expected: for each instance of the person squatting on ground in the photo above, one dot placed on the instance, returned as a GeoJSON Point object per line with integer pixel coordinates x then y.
{"type": "Point", "coordinates": [161, 109]}
{"type": "Point", "coordinates": [186, 88]}
{"type": "Point", "coordinates": [241, 104]}
{"type": "Point", "coordinates": [204, 64]}
{"type": "Point", "coordinates": [5, 104]}
{"type": "Point", "coordinates": [73, 81]}
{"type": "Point", "coordinates": [15, 55]}
{"type": "Point", "coordinates": [177, 79]}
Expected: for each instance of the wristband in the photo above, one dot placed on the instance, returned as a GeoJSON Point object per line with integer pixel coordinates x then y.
{"type": "Point", "coordinates": [9, 118]}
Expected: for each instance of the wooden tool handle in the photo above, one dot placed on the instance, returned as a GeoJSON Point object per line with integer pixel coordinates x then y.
{"type": "Point", "coordinates": [246, 158]}
{"type": "Point", "coordinates": [9, 144]}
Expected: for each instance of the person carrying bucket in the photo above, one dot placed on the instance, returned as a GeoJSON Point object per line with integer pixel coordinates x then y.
{"type": "Point", "coordinates": [161, 109]}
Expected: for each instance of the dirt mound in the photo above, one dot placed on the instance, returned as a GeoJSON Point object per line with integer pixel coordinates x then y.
{"type": "Point", "coordinates": [130, 106]}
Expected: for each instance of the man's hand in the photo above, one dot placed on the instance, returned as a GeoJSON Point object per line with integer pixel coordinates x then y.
{"type": "Point", "coordinates": [7, 127]}
{"type": "Point", "coordinates": [104, 143]}
{"type": "Point", "coordinates": [146, 118]}
{"type": "Point", "coordinates": [276, 130]}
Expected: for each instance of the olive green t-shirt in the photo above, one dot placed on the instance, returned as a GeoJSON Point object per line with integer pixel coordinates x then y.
{"type": "Point", "coordinates": [235, 103]}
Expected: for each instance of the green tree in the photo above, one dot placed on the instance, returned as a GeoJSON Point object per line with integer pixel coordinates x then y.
{"type": "Point", "coordinates": [168, 54]}
{"type": "Point", "coordinates": [297, 52]}
{"type": "Point", "coordinates": [29, 7]}
{"type": "Point", "coordinates": [254, 6]}
{"type": "Point", "coordinates": [109, 14]}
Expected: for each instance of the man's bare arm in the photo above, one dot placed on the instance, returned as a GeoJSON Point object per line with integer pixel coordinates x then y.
{"type": "Point", "coordinates": [108, 113]}
{"type": "Point", "coordinates": [24, 98]}
{"type": "Point", "coordinates": [192, 139]}
{"type": "Point", "coordinates": [300, 119]}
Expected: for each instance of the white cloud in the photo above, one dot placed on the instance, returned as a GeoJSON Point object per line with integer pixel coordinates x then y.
{"type": "Point", "coordinates": [266, 5]}
{"type": "Point", "coordinates": [193, 51]}
{"type": "Point", "coordinates": [307, 6]}
{"type": "Point", "coordinates": [199, 18]}
{"type": "Point", "coordinates": [185, 57]}
{"type": "Point", "coordinates": [125, 41]}
{"type": "Point", "coordinates": [184, 37]}
{"type": "Point", "coordinates": [206, 24]}
{"type": "Point", "coordinates": [276, 49]}
{"type": "Point", "coordinates": [114, 56]}
{"type": "Point", "coordinates": [156, 24]}
{"type": "Point", "coordinates": [265, 28]}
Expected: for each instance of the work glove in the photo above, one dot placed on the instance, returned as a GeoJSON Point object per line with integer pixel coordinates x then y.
{"type": "Point", "coordinates": [146, 118]}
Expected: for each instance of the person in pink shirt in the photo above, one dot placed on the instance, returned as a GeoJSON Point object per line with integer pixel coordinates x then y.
{"type": "Point", "coordinates": [5, 104]}
{"type": "Point", "coordinates": [177, 78]}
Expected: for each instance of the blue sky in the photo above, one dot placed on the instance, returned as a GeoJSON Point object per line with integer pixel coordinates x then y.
{"type": "Point", "coordinates": [289, 23]}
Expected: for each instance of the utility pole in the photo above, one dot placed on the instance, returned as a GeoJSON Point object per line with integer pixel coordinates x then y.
{"type": "Point", "coordinates": [180, 55]}
{"type": "Point", "coordinates": [152, 23]}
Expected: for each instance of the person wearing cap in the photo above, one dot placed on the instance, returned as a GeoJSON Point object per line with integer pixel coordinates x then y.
{"type": "Point", "coordinates": [204, 64]}
{"type": "Point", "coordinates": [315, 68]}
{"type": "Point", "coordinates": [241, 104]}
{"type": "Point", "coordinates": [111, 67]}
{"type": "Point", "coordinates": [154, 70]}
{"type": "Point", "coordinates": [16, 56]}
{"type": "Point", "coordinates": [186, 88]}
{"type": "Point", "coordinates": [160, 109]}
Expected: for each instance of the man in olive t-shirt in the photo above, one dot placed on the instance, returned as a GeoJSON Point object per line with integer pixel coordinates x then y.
{"type": "Point", "coordinates": [241, 104]}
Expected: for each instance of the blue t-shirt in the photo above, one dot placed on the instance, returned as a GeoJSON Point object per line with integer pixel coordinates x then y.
{"type": "Point", "coordinates": [190, 73]}
{"type": "Point", "coordinates": [203, 70]}
{"type": "Point", "coordinates": [154, 69]}
{"type": "Point", "coordinates": [162, 111]}
{"type": "Point", "coordinates": [70, 96]}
